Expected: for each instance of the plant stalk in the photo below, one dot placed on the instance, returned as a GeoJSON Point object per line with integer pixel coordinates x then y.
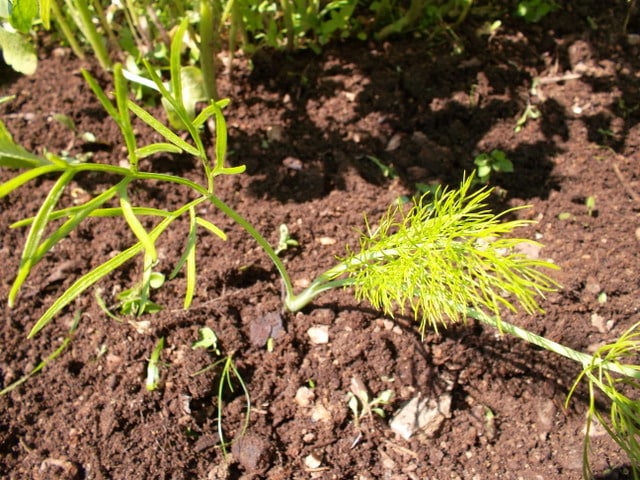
{"type": "Point", "coordinates": [583, 359]}
{"type": "Point", "coordinates": [210, 12]}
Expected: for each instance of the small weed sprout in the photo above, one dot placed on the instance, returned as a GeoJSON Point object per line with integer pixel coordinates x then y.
{"type": "Point", "coordinates": [590, 203]}
{"type": "Point", "coordinates": [487, 163]}
{"type": "Point", "coordinates": [285, 240]}
{"type": "Point", "coordinates": [530, 113]}
{"type": "Point", "coordinates": [208, 341]}
{"type": "Point", "coordinates": [135, 301]}
{"type": "Point", "coordinates": [387, 170]}
{"type": "Point", "coordinates": [153, 370]}
{"type": "Point", "coordinates": [535, 10]}
{"type": "Point", "coordinates": [225, 382]}
{"type": "Point", "coordinates": [361, 405]}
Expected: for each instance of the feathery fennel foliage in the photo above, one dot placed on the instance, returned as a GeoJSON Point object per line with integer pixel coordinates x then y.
{"type": "Point", "coordinates": [622, 392]}
{"type": "Point", "coordinates": [441, 257]}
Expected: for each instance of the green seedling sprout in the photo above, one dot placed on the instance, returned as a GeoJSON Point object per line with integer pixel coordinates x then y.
{"type": "Point", "coordinates": [386, 170]}
{"type": "Point", "coordinates": [285, 240]}
{"type": "Point", "coordinates": [530, 113]}
{"type": "Point", "coordinates": [209, 341]}
{"type": "Point", "coordinates": [445, 259]}
{"type": "Point", "coordinates": [361, 405]}
{"type": "Point", "coordinates": [590, 203]}
{"type": "Point", "coordinates": [153, 370]}
{"type": "Point", "coordinates": [535, 10]}
{"type": "Point", "coordinates": [487, 163]}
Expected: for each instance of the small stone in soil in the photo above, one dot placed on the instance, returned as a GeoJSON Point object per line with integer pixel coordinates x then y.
{"type": "Point", "coordinates": [319, 334]}
{"type": "Point", "coordinates": [253, 453]}
{"type": "Point", "coordinates": [261, 328]}
{"type": "Point", "coordinates": [305, 396]}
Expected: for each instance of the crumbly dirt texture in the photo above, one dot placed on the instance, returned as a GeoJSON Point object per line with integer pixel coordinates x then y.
{"type": "Point", "coordinates": [304, 124]}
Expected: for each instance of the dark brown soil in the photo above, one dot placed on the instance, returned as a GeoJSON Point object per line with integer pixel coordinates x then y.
{"type": "Point", "coordinates": [304, 124]}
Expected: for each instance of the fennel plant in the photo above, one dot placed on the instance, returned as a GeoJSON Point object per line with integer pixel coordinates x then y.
{"type": "Point", "coordinates": [444, 260]}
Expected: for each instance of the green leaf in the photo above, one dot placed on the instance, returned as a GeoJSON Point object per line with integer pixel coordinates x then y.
{"type": "Point", "coordinates": [16, 182]}
{"type": "Point", "coordinates": [36, 232]}
{"type": "Point", "coordinates": [102, 97]}
{"type": "Point", "coordinates": [167, 133]}
{"type": "Point", "coordinates": [15, 156]}
{"type": "Point", "coordinates": [45, 13]}
{"type": "Point", "coordinates": [440, 258]}
{"type": "Point", "coordinates": [82, 284]}
{"type": "Point", "coordinates": [23, 14]}
{"type": "Point", "coordinates": [153, 372]}
{"type": "Point", "coordinates": [192, 92]}
{"type": "Point", "coordinates": [18, 52]}
{"type": "Point", "coordinates": [134, 224]}
{"type": "Point", "coordinates": [211, 227]}
{"type": "Point", "coordinates": [154, 148]}
{"type": "Point", "coordinates": [208, 339]}
{"type": "Point", "coordinates": [78, 215]}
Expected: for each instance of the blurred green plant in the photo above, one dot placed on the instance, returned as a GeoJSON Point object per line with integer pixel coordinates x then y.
{"type": "Point", "coordinates": [535, 10]}
{"type": "Point", "coordinates": [487, 163]}
{"type": "Point", "coordinates": [16, 24]}
{"type": "Point", "coordinates": [153, 367]}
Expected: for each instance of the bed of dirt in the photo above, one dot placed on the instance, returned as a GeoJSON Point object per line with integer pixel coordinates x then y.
{"type": "Point", "coordinates": [304, 124]}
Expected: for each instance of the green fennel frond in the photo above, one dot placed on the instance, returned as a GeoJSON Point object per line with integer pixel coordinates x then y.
{"type": "Point", "coordinates": [621, 391]}
{"type": "Point", "coordinates": [444, 256]}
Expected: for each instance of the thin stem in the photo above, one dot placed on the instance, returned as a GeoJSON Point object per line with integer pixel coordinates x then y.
{"type": "Point", "coordinates": [210, 11]}
{"type": "Point", "coordinates": [264, 244]}
{"type": "Point", "coordinates": [583, 359]}
{"type": "Point", "coordinates": [82, 15]}
{"type": "Point", "coordinates": [66, 29]}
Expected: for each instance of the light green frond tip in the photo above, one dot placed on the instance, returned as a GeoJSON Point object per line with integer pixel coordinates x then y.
{"type": "Point", "coordinates": [443, 255]}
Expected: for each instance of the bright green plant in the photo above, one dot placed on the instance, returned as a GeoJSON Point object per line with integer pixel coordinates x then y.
{"type": "Point", "coordinates": [208, 341]}
{"type": "Point", "coordinates": [535, 10]}
{"type": "Point", "coordinates": [623, 424]}
{"type": "Point", "coordinates": [444, 259]}
{"type": "Point", "coordinates": [487, 163]}
{"type": "Point", "coordinates": [530, 113]}
{"type": "Point", "coordinates": [285, 240]}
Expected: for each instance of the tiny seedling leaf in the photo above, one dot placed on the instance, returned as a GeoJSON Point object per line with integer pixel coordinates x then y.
{"type": "Point", "coordinates": [208, 340]}
{"type": "Point", "coordinates": [153, 370]}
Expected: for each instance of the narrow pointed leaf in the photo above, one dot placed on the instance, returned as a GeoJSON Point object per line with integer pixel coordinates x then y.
{"type": "Point", "coordinates": [135, 225]}
{"type": "Point", "coordinates": [36, 232]}
{"type": "Point", "coordinates": [82, 284]}
{"type": "Point", "coordinates": [16, 182]}
{"type": "Point", "coordinates": [157, 148]}
{"type": "Point", "coordinates": [211, 227]}
{"type": "Point", "coordinates": [167, 133]}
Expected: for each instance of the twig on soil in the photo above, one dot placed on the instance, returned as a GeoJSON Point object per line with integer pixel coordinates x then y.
{"type": "Point", "coordinates": [625, 185]}
{"type": "Point", "coordinates": [559, 78]}
{"type": "Point", "coordinates": [401, 449]}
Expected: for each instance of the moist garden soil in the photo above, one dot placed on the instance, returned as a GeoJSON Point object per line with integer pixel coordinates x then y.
{"type": "Point", "coordinates": [304, 125]}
